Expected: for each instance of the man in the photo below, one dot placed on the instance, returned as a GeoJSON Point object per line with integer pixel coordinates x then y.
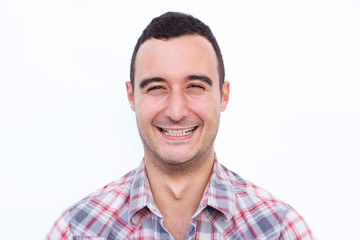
{"type": "Point", "coordinates": [179, 191]}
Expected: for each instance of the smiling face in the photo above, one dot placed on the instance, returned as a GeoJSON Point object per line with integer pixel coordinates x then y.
{"type": "Point", "coordinates": [177, 99]}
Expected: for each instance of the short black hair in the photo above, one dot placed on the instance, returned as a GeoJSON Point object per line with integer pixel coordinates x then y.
{"type": "Point", "coordinates": [176, 24]}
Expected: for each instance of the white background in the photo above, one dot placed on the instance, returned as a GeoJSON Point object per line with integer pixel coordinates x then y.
{"type": "Point", "coordinates": [291, 127]}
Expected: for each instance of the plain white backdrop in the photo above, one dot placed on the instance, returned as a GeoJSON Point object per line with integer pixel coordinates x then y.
{"type": "Point", "coordinates": [291, 127]}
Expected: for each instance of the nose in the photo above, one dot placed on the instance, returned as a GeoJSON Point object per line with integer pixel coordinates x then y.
{"type": "Point", "coordinates": [177, 106]}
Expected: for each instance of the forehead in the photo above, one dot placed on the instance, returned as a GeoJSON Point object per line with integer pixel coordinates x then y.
{"type": "Point", "coordinates": [176, 57]}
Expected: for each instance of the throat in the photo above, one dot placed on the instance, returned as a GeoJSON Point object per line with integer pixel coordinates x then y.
{"type": "Point", "coordinates": [179, 190]}
{"type": "Point", "coordinates": [178, 193]}
{"type": "Point", "coordinates": [175, 196]}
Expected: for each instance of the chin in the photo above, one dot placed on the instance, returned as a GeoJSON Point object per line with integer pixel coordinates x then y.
{"type": "Point", "coordinates": [176, 159]}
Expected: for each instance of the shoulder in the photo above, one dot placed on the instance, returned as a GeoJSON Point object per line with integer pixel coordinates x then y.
{"type": "Point", "coordinates": [118, 189]}
{"type": "Point", "coordinates": [96, 212]}
{"type": "Point", "coordinates": [249, 194]}
{"type": "Point", "coordinates": [262, 214]}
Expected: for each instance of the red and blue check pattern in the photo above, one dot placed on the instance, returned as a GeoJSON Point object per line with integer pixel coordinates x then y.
{"type": "Point", "coordinates": [231, 208]}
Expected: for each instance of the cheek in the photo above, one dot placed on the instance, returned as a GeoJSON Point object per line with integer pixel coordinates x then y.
{"type": "Point", "coordinates": [146, 110]}
{"type": "Point", "coordinates": [207, 108]}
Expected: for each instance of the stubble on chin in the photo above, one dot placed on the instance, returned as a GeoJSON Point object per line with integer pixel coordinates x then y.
{"type": "Point", "coordinates": [179, 167]}
{"type": "Point", "coordinates": [176, 165]}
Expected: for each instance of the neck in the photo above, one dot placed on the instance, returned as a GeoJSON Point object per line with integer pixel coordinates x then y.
{"type": "Point", "coordinates": [183, 190]}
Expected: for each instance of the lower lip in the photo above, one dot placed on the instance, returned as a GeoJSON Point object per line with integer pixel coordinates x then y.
{"type": "Point", "coordinates": [178, 138]}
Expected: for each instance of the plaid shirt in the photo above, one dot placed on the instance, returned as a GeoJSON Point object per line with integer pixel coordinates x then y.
{"type": "Point", "coordinates": [231, 208]}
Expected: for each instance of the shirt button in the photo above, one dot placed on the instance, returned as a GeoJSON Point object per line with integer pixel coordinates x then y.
{"type": "Point", "coordinates": [135, 219]}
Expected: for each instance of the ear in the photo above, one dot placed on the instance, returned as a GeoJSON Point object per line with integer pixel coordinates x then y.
{"type": "Point", "coordinates": [225, 95]}
{"type": "Point", "coordinates": [130, 95]}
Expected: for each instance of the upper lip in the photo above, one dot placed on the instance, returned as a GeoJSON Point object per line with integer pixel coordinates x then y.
{"type": "Point", "coordinates": [177, 129]}
{"type": "Point", "coordinates": [176, 126]}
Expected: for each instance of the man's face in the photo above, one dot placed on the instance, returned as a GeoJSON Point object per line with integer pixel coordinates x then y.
{"type": "Point", "coordinates": [177, 98]}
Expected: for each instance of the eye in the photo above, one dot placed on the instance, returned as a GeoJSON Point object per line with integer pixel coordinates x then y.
{"type": "Point", "coordinates": [155, 88]}
{"type": "Point", "coordinates": [197, 86]}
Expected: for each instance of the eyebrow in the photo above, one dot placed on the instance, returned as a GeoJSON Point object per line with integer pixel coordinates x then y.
{"type": "Point", "coordinates": [203, 78]}
{"type": "Point", "coordinates": [147, 81]}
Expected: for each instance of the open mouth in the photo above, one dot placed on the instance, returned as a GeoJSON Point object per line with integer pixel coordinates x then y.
{"type": "Point", "coordinates": [178, 133]}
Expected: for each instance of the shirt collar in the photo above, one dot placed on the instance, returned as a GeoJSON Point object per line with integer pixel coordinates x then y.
{"type": "Point", "coordinates": [219, 193]}
{"type": "Point", "coordinates": [140, 194]}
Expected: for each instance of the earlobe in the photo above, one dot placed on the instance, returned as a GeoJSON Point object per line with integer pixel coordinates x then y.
{"type": "Point", "coordinates": [225, 95]}
{"type": "Point", "coordinates": [130, 95]}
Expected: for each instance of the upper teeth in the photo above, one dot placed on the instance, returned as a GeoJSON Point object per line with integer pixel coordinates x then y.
{"type": "Point", "coordinates": [178, 133]}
